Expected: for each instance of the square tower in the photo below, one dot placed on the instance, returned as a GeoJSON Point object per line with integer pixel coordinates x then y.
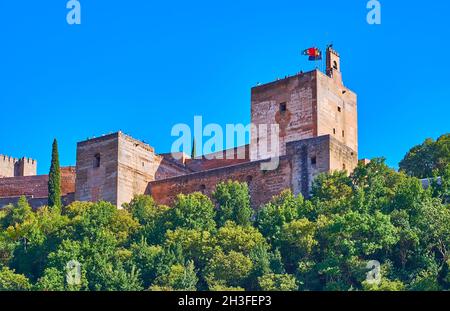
{"type": "Point", "coordinates": [308, 105]}
{"type": "Point", "coordinates": [114, 168]}
{"type": "Point", "coordinates": [12, 167]}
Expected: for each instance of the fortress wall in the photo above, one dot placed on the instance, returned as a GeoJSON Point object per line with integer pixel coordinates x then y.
{"type": "Point", "coordinates": [137, 166]}
{"type": "Point", "coordinates": [11, 167]}
{"type": "Point", "coordinates": [36, 202]}
{"type": "Point", "coordinates": [220, 159]}
{"type": "Point", "coordinates": [298, 121]}
{"type": "Point", "coordinates": [7, 166]}
{"type": "Point", "coordinates": [342, 157]}
{"type": "Point", "coordinates": [36, 186]}
{"type": "Point", "coordinates": [337, 111]}
{"type": "Point", "coordinates": [169, 168]}
{"type": "Point", "coordinates": [309, 158]}
{"type": "Point", "coordinates": [27, 167]}
{"type": "Point", "coordinates": [262, 184]}
{"type": "Point", "coordinates": [97, 181]}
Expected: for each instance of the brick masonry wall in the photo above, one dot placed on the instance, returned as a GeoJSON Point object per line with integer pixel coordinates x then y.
{"type": "Point", "coordinates": [37, 202]}
{"type": "Point", "coordinates": [126, 167]}
{"type": "Point", "coordinates": [337, 111]}
{"type": "Point", "coordinates": [262, 184]}
{"type": "Point", "coordinates": [7, 166]}
{"type": "Point", "coordinates": [36, 186]}
{"type": "Point", "coordinates": [169, 168]}
{"type": "Point", "coordinates": [137, 166]}
{"type": "Point", "coordinates": [305, 160]}
{"type": "Point", "coordinates": [309, 158]}
{"type": "Point", "coordinates": [11, 167]}
{"type": "Point", "coordinates": [342, 157]}
{"type": "Point", "coordinates": [220, 159]}
{"type": "Point", "coordinates": [299, 121]}
{"type": "Point", "coordinates": [27, 167]}
{"type": "Point", "coordinates": [97, 183]}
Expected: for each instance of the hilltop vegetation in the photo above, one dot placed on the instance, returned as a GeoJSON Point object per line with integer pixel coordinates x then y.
{"type": "Point", "coordinates": [220, 243]}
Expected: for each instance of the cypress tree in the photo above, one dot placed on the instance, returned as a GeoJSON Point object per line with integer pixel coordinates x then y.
{"type": "Point", "coordinates": [54, 179]}
{"type": "Point", "coordinates": [194, 150]}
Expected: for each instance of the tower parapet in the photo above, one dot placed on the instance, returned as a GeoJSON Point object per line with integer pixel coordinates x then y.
{"type": "Point", "coordinates": [13, 167]}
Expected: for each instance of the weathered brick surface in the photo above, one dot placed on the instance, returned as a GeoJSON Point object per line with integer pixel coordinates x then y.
{"type": "Point", "coordinates": [220, 159]}
{"type": "Point", "coordinates": [317, 118]}
{"type": "Point", "coordinates": [11, 167]}
{"type": "Point", "coordinates": [313, 156]}
{"type": "Point", "coordinates": [37, 202]}
{"type": "Point", "coordinates": [337, 112]}
{"type": "Point", "coordinates": [305, 159]}
{"type": "Point", "coordinates": [97, 183]}
{"type": "Point", "coordinates": [126, 167]}
{"type": "Point", "coordinates": [36, 186]}
{"type": "Point", "coordinates": [298, 122]}
{"type": "Point", "coordinates": [262, 184]}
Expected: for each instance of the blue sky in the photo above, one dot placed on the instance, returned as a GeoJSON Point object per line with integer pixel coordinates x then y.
{"type": "Point", "coordinates": [143, 66]}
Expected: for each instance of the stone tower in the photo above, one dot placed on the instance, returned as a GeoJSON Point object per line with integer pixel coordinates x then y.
{"type": "Point", "coordinates": [309, 105]}
{"type": "Point", "coordinates": [12, 167]}
{"type": "Point", "coordinates": [113, 168]}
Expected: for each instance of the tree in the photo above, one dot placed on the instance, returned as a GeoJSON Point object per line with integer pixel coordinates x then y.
{"type": "Point", "coordinates": [52, 280]}
{"type": "Point", "coordinates": [234, 203]}
{"type": "Point", "coordinates": [10, 281]}
{"type": "Point", "coordinates": [151, 217]}
{"type": "Point", "coordinates": [430, 156]}
{"type": "Point", "coordinates": [281, 210]}
{"type": "Point", "coordinates": [230, 269]}
{"type": "Point", "coordinates": [180, 277]}
{"type": "Point", "coordinates": [277, 282]}
{"type": "Point", "coordinates": [320, 243]}
{"type": "Point", "coordinates": [232, 237]}
{"type": "Point", "coordinates": [145, 257]}
{"type": "Point", "coordinates": [192, 211]}
{"type": "Point", "coordinates": [297, 240]}
{"type": "Point", "coordinates": [54, 178]}
{"type": "Point", "coordinates": [194, 150]}
{"type": "Point", "coordinates": [195, 245]}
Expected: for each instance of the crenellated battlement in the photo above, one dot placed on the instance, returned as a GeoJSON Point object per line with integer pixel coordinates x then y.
{"type": "Point", "coordinates": [12, 167]}
{"type": "Point", "coordinates": [6, 158]}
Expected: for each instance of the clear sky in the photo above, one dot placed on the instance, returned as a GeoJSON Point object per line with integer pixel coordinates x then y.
{"type": "Point", "coordinates": [142, 66]}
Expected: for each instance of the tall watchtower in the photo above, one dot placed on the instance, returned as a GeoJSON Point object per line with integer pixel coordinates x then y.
{"type": "Point", "coordinates": [309, 105]}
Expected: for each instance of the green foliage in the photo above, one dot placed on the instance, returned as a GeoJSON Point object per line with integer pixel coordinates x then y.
{"type": "Point", "coordinates": [10, 281]}
{"type": "Point", "coordinates": [180, 277]}
{"type": "Point", "coordinates": [234, 203]}
{"type": "Point", "coordinates": [192, 211]}
{"type": "Point", "coordinates": [423, 160]}
{"type": "Point", "coordinates": [275, 214]}
{"type": "Point", "coordinates": [54, 178]}
{"type": "Point", "coordinates": [232, 237]}
{"type": "Point", "coordinates": [151, 217]}
{"type": "Point", "coordinates": [277, 282]}
{"type": "Point", "coordinates": [385, 285]}
{"type": "Point", "coordinates": [52, 280]}
{"type": "Point", "coordinates": [232, 268]}
{"type": "Point", "coordinates": [323, 243]}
